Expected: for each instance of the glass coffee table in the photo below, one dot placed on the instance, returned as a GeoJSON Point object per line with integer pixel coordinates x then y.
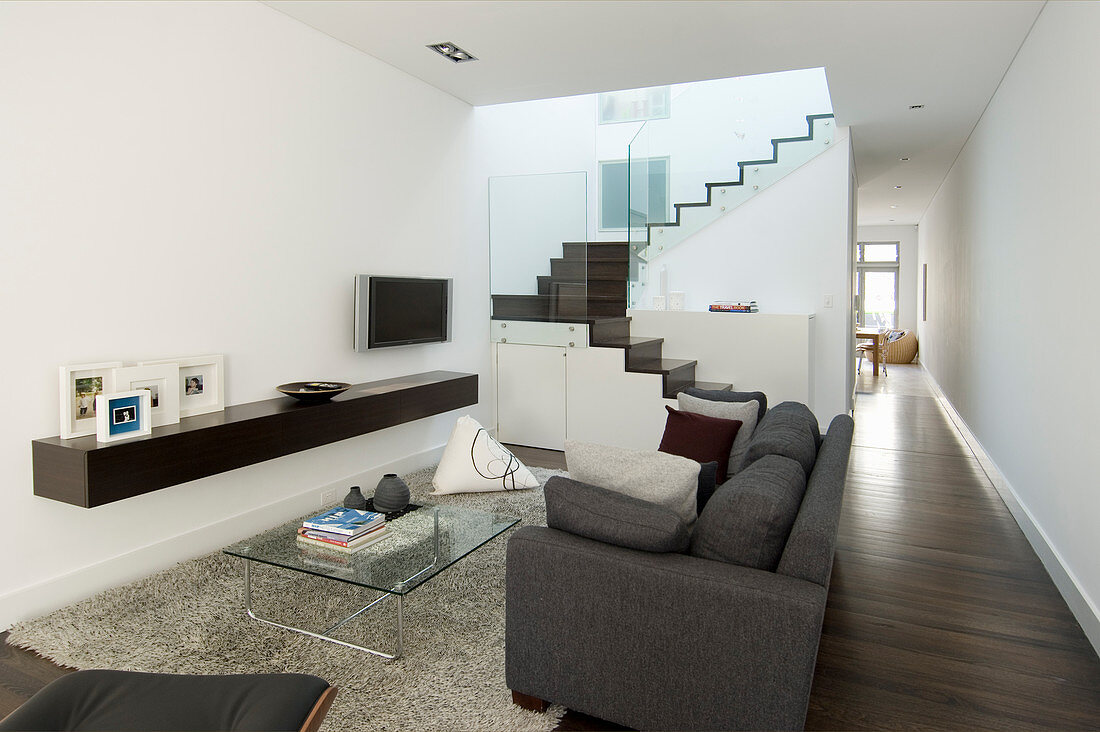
{"type": "Point", "coordinates": [420, 545]}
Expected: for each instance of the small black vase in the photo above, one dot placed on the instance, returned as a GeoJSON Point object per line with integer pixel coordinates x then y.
{"type": "Point", "coordinates": [392, 494]}
{"type": "Point", "coordinates": [354, 499]}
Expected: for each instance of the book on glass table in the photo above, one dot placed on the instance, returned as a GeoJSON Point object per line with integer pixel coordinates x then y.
{"type": "Point", "coordinates": [339, 539]}
{"type": "Point", "coordinates": [352, 546]}
{"type": "Point", "coordinates": [345, 521]}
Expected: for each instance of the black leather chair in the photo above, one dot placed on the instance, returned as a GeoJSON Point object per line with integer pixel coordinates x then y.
{"type": "Point", "coordinates": [140, 702]}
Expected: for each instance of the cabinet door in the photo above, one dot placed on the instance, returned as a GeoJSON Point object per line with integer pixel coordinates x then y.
{"type": "Point", "coordinates": [531, 395]}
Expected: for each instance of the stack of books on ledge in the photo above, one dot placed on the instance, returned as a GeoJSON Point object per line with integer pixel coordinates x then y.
{"type": "Point", "coordinates": [734, 306]}
{"type": "Point", "coordinates": [343, 529]}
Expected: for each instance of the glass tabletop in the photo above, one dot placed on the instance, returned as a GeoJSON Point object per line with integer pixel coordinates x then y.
{"type": "Point", "coordinates": [419, 545]}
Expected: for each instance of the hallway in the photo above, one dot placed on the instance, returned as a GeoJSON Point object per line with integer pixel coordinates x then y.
{"type": "Point", "coordinates": [940, 615]}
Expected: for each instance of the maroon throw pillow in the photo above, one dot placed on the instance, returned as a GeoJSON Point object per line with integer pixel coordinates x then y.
{"type": "Point", "coordinates": [701, 438]}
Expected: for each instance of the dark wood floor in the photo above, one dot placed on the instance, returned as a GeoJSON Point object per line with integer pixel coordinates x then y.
{"type": "Point", "coordinates": [940, 616]}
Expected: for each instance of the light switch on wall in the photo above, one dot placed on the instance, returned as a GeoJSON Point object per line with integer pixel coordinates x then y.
{"type": "Point", "coordinates": [828, 301]}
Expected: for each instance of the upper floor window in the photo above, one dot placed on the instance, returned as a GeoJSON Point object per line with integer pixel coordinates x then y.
{"type": "Point", "coordinates": [635, 105]}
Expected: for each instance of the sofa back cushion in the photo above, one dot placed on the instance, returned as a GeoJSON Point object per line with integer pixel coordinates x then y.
{"type": "Point", "coordinates": [612, 517]}
{"type": "Point", "coordinates": [718, 395]}
{"type": "Point", "coordinates": [747, 520]}
{"type": "Point", "coordinates": [669, 480]}
{"type": "Point", "coordinates": [801, 411]}
{"type": "Point", "coordinates": [784, 432]}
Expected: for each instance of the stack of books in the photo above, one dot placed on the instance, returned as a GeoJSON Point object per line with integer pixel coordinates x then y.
{"type": "Point", "coordinates": [343, 529]}
{"type": "Point", "coordinates": [734, 306]}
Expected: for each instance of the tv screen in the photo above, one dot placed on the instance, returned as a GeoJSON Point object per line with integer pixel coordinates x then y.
{"type": "Point", "coordinates": [401, 311]}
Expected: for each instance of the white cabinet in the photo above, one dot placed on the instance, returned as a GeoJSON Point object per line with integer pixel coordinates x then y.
{"type": "Point", "coordinates": [531, 389]}
{"type": "Point", "coordinates": [548, 393]}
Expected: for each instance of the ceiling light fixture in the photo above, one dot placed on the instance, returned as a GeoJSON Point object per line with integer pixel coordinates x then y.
{"type": "Point", "coordinates": [916, 106]}
{"type": "Point", "coordinates": [893, 205]}
{"type": "Point", "coordinates": [451, 51]}
{"type": "Point", "coordinates": [897, 186]}
{"type": "Point", "coordinates": [904, 160]}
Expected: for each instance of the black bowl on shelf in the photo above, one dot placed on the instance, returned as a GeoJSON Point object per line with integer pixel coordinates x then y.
{"type": "Point", "coordinates": [313, 392]}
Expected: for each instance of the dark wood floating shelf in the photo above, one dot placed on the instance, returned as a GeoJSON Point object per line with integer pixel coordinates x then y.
{"type": "Point", "coordinates": [86, 473]}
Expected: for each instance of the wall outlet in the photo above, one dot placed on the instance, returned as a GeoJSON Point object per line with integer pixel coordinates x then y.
{"type": "Point", "coordinates": [828, 301]}
{"type": "Point", "coordinates": [328, 497]}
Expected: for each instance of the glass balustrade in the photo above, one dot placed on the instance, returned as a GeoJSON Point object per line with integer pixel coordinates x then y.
{"type": "Point", "coordinates": [538, 258]}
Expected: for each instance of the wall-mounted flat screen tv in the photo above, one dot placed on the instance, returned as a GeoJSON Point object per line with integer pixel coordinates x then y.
{"type": "Point", "coordinates": [401, 311]}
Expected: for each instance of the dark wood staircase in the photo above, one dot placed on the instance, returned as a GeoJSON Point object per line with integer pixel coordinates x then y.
{"type": "Point", "coordinates": [588, 285]}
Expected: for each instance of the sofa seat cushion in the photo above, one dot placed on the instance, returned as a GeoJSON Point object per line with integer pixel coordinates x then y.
{"type": "Point", "coordinates": [717, 395]}
{"type": "Point", "coordinates": [743, 412]}
{"type": "Point", "coordinates": [700, 438]}
{"type": "Point", "coordinates": [747, 520]}
{"type": "Point", "coordinates": [657, 477]}
{"type": "Point", "coordinates": [783, 432]}
{"type": "Point", "coordinates": [612, 517]}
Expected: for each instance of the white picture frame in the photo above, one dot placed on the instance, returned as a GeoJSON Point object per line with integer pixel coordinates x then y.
{"type": "Point", "coordinates": [201, 382]}
{"type": "Point", "coordinates": [80, 385]}
{"type": "Point", "coordinates": [162, 382]}
{"type": "Point", "coordinates": [123, 415]}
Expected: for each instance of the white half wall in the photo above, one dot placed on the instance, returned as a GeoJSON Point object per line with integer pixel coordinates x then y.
{"type": "Point", "coordinates": [906, 236]}
{"type": "Point", "coordinates": [788, 248]}
{"type": "Point", "coordinates": [187, 178]}
{"type": "Point", "coordinates": [1010, 243]}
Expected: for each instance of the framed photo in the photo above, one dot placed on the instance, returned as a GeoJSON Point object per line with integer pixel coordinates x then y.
{"type": "Point", "coordinates": [123, 415]}
{"type": "Point", "coordinates": [201, 382]}
{"type": "Point", "coordinates": [161, 381]}
{"type": "Point", "coordinates": [80, 385]}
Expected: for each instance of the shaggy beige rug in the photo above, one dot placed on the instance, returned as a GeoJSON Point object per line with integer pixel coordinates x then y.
{"type": "Point", "coordinates": [190, 619]}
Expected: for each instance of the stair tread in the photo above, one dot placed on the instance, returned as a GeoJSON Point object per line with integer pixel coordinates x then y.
{"type": "Point", "coordinates": [630, 342]}
{"type": "Point", "coordinates": [662, 366]}
{"type": "Point", "coordinates": [713, 386]}
{"type": "Point", "coordinates": [608, 298]}
{"type": "Point", "coordinates": [601, 260]}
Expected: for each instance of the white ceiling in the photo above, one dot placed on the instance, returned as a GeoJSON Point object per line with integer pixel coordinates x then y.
{"type": "Point", "coordinates": [880, 56]}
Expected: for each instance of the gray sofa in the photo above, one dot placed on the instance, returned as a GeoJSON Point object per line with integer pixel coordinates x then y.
{"type": "Point", "coordinates": [666, 639]}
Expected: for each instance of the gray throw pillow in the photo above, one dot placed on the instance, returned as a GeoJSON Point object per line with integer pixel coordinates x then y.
{"type": "Point", "coordinates": [717, 395]}
{"type": "Point", "coordinates": [745, 412]}
{"type": "Point", "coordinates": [658, 477]}
{"type": "Point", "coordinates": [613, 518]}
{"type": "Point", "coordinates": [783, 432]}
{"type": "Point", "coordinates": [748, 519]}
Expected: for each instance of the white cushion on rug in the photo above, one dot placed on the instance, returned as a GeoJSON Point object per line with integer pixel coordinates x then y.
{"type": "Point", "coordinates": [657, 477]}
{"type": "Point", "coordinates": [473, 462]}
{"type": "Point", "coordinates": [747, 412]}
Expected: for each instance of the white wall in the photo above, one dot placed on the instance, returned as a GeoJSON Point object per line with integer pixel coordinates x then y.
{"type": "Point", "coordinates": [1010, 242]}
{"type": "Point", "coordinates": [191, 178]}
{"type": "Point", "coordinates": [906, 236]}
{"type": "Point", "coordinates": [787, 248]}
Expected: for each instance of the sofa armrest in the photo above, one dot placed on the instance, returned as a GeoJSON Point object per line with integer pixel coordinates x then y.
{"type": "Point", "coordinates": [664, 641]}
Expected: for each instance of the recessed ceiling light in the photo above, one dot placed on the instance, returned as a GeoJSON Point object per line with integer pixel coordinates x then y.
{"type": "Point", "coordinates": [451, 51]}
{"type": "Point", "coordinates": [916, 106]}
{"type": "Point", "coordinates": [893, 205]}
{"type": "Point", "coordinates": [904, 160]}
{"type": "Point", "coordinates": [897, 186]}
